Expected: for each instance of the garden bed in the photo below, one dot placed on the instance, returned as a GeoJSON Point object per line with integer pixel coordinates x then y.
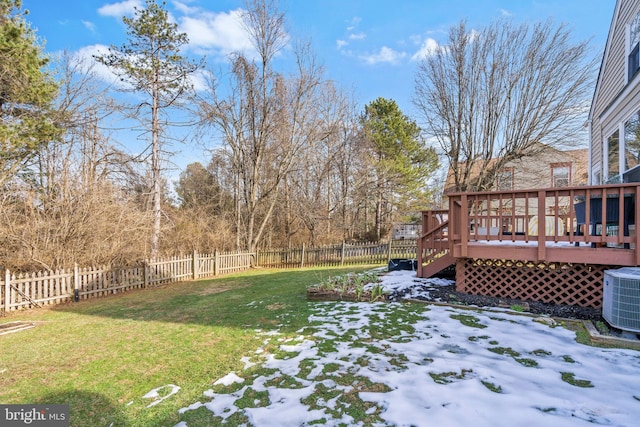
{"type": "Point", "coordinates": [363, 287]}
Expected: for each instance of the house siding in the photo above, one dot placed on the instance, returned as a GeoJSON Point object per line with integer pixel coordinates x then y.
{"type": "Point", "coordinates": [614, 99]}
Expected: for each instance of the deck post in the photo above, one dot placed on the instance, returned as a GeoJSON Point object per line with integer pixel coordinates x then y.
{"type": "Point", "coordinates": [420, 243]}
{"type": "Point", "coordinates": [459, 226]}
{"type": "Point", "coordinates": [542, 225]}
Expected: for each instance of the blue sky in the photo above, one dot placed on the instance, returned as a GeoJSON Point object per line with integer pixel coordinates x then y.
{"type": "Point", "coordinates": [370, 47]}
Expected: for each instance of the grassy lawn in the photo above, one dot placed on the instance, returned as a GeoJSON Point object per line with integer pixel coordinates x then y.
{"type": "Point", "coordinates": [102, 356]}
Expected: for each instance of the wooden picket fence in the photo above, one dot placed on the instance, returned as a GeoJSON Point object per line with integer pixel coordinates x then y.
{"type": "Point", "coordinates": [28, 290]}
{"type": "Point", "coordinates": [25, 290]}
{"type": "Point", "coordinates": [338, 255]}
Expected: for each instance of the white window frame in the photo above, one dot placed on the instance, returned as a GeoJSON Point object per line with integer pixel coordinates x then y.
{"type": "Point", "coordinates": [630, 45]}
{"type": "Point", "coordinates": [605, 153]}
{"type": "Point", "coordinates": [561, 166]}
{"type": "Point", "coordinates": [596, 176]}
{"type": "Point", "coordinates": [510, 170]}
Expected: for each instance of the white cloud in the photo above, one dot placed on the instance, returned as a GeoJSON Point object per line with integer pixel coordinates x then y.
{"type": "Point", "coordinates": [428, 48]}
{"type": "Point", "coordinates": [353, 23]}
{"type": "Point", "coordinates": [185, 8]}
{"type": "Point", "coordinates": [118, 10]}
{"type": "Point", "coordinates": [385, 54]}
{"type": "Point", "coordinates": [357, 36]}
{"type": "Point", "coordinates": [89, 26]}
{"type": "Point", "coordinates": [341, 43]}
{"type": "Point", "coordinates": [86, 55]}
{"type": "Point", "coordinates": [200, 80]}
{"type": "Point", "coordinates": [222, 33]}
{"type": "Point", "coordinates": [505, 12]}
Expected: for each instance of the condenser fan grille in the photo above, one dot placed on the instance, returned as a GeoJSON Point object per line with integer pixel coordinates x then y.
{"type": "Point", "coordinates": [621, 298]}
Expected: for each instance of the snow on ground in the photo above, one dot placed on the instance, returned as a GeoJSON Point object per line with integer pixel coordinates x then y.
{"type": "Point", "coordinates": [426, 365]}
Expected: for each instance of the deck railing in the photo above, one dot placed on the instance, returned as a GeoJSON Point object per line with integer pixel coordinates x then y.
{"type": "Point", "coordinates": [570, 224]}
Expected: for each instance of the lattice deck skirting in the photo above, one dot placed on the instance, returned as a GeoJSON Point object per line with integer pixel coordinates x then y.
{"type": "Point", "coordinates": [551, 283]}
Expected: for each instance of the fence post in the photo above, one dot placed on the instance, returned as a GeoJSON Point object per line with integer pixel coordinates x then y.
{"type": "Point", "coordinates": [389, 251]}
{"type": "Point", "coordinates": [195, 264]}
{"type": "Point", "coordinates": [76, 283]}
{"type": "Point", "coordinates": [7, 290]}
{"type": "Point", "coordinates": [145, 274]}
{"type": "Point", "coordinates": [302, 257]}
{"type": "Point", "coordinates": [342, 254]}
{"type": "Point", "coordinates": [216, 260]}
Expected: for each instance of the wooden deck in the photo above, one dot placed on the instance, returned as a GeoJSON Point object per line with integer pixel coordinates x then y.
{"type": "Point", "coordinates": [550, 225]}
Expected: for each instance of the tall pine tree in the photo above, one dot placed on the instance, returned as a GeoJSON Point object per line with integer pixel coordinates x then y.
{"type": "Point", "coordinates": [400, 162]}
{"type": "Point", "coordinates": [151, 64]}
{"type": "Point", "coordinates": [26, 92]}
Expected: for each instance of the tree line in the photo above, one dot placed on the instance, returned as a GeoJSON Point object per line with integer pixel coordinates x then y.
{"type": "Point", "coordinates": [291, 157]}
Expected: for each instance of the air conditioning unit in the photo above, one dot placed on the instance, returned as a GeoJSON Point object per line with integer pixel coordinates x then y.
{"type": "Point", "coordinates": [621, 298]}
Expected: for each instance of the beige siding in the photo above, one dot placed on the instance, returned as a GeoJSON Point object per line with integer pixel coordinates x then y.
{"type": "Point", "coordinates": [535, 172]}
{"type": "Point", "coordinates": [614, 100]}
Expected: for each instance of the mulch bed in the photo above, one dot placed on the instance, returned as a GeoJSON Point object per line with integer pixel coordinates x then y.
{"type": "Point", "coordinates": [448, 294]}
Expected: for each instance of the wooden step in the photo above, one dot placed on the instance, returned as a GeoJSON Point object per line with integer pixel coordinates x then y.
{"type": "Point", "coordinates": [436, 265]}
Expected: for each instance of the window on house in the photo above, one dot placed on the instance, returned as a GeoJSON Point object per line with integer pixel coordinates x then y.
{"type": "Point", "coordinates": [632, 142]}
{"type": "Point", "coordinates": [613, 156]}
{"type": "Point", "coordinates": [560, 174]}
{"type": "Point", "coordinates": [633, 62]}
{"type": "Point", "coordinates": [504, 179]}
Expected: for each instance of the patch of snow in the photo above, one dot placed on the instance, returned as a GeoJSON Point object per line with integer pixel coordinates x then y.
{"type": "Point", "coordinates": [230, 378]}
{"type": "Point", "coordinates": [502, 370]}
{"type": "Point", "coordinates": [154, 394]}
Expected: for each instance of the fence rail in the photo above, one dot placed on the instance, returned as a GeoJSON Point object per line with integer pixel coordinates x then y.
{"type": "Point", "coordinates": [18, 291]}
{"type": "Point", "coordinates": [338, 255]}
{"type": "Point", "coordinates": [26, 290]}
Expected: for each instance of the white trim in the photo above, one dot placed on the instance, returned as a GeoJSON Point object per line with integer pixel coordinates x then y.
{"type": "Point", "coordinates": [593, 179]}
{"type": "Point", "coordinates": [589, 153]}
{"type": "Point", "coordinates": [627, 49]}
{"type": "Point", "coordinates": [621, 150]}
{"type": "Point", "coordinates": [605, 158]}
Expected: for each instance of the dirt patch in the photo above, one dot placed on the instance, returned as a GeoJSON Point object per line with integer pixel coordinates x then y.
{"type": "Point", "coordinates": [11, 327]}
{"type": "Point", "coordinates": [276, 306]}
{"type": "Point", "coordinates": [217, 289]}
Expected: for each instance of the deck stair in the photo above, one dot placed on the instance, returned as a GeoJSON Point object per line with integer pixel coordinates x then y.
{"type": "Point", "coordinates": [434, 250]}
{"type": "Point", "coordinates": [437, 263]}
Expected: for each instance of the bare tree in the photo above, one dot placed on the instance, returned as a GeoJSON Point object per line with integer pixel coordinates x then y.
{"type": "Point", "coordinates": [490, 96]}
{"type": "Point", "coordinates": [72, 204]}
{"type": "Point", "coordinates": [266, 118]}
{"type": "Point", "coordinates": [311, 197]}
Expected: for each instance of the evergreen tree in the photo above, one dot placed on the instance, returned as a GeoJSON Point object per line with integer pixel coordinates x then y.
{"type": "Point", "coordinates": [400, 162]}
{"type": "Point", "coordinates": [26, 92]}
{"type": "Point", "coordinates": [151, 63]}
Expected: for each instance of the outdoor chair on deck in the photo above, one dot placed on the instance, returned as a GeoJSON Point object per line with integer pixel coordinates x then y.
{"type": "Point", "coordinates": [611, 222]}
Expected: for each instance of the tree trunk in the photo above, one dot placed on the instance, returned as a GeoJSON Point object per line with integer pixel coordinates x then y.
{"type": "Point", "coordinates": [155, 171]}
